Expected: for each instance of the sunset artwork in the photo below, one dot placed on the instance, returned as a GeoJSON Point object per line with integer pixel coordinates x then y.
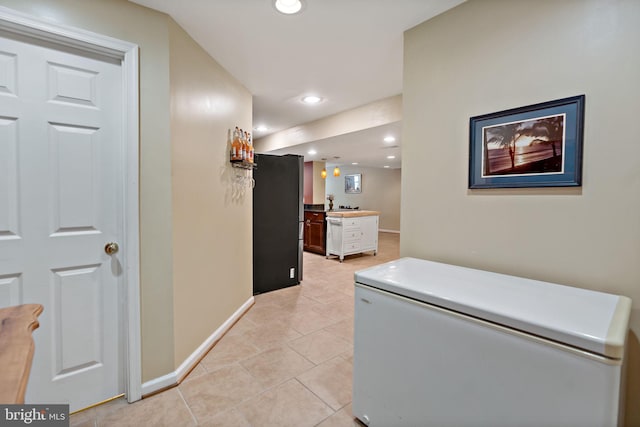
{"type": "Point", "coordinates": [527, 147]}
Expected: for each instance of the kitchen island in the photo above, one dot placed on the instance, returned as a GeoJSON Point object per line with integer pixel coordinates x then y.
{"type": "Point", "coordinates": [351, 232]}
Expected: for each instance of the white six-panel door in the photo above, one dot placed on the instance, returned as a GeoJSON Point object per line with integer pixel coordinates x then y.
{"type": "Point", "coordinates": [60, 203]}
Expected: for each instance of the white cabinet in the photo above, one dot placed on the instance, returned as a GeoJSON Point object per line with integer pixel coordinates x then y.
{"type": "Point", "coordinates": [348, 235]}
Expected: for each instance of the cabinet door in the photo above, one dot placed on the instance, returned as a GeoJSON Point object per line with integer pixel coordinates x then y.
{"type": "Point", "coordinates": [316, 237]}
{"type": "Point", "coordinates": [314, 232]}
{"type": "Point", "coordinates": [369, 229]}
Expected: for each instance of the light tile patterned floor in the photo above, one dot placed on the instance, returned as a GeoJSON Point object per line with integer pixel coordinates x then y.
{"type": "Point", "coordinates": [286, 362]}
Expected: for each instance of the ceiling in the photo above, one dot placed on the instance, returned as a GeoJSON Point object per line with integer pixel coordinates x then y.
{"type": "Point", "coordinates": [349, 52]}
{"type": "Point", "coordinates": [366, 148]}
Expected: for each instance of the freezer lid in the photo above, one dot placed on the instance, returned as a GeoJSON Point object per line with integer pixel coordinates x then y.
{"type": "Point", "coordinates": [590, 320]}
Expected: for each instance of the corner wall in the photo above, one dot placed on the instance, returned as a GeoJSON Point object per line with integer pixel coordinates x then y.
{"type": "Point", "coordinates": [491, 55]}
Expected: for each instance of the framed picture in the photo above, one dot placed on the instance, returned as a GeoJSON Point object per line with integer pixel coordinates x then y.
{"type": "Point", "coordinates": [534, 146]}
{"type": "Point", "coordinates": [353, 183]}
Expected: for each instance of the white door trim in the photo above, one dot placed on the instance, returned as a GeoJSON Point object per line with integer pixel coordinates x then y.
{"type": "Point", "coordinates": [18, 23]}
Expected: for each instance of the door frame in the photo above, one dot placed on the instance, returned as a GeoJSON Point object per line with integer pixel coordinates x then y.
{"type": "Point", "coordinates": [127, 53]}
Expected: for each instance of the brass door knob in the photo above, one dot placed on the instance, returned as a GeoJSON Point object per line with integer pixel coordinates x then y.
{"type": "Point", "coordinates": [111, 248]}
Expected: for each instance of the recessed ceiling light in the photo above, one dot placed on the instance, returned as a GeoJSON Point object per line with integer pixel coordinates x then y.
{"type": "Point", "coordinates": [354, 163]}
{"type": "Point", "coordinates": [288, 7]}
{"type": "Point", "coordinates": [262, 128]}
{"type": "Point", "coordinates": [312, 152]}
{"type": "Point", "coordinates": [389, 139]}
{"type": "Point", "coordinates": [311, 99]}
{"type": "Point", "coordinates": [391, 157]}
{"type": "Point", "coordinates": [386, 167]}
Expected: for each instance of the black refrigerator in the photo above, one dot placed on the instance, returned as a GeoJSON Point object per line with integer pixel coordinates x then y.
{"type": "Point", "coordinates": [277, 222]}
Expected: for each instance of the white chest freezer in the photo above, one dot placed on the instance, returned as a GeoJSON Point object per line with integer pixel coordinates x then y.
{"type": "Point", "coordinates": [441, 345]}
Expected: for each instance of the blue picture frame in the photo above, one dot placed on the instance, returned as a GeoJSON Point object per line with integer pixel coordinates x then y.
{"type": "Point", "coordinates": [538, 145]}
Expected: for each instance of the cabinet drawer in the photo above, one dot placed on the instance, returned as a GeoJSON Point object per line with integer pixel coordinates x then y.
{"type": "Point", "coordinates": [314, 216]}
{"type": "Point", "coordinates": [351, 246]}
{"type": "Point", "coordinates": [351, 222]}
{"type": "Point", "coordinates": [351, 234]}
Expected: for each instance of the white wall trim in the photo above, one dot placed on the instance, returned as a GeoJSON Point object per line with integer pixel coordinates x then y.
{"type": "Point", "coordinates": [382, 230]}
{"type": "Point", "coordinates": [173, 378]}
{"type": "Point", "coordinates": [160, 383]}
{"type": "Point", "coordinates": [128, 53]}
{"type": "Point", "coordinates": [131, 129]}
{"type": "Point", "coordinates": [21, 23]}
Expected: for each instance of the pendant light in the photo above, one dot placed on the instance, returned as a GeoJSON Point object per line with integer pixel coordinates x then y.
{"type": "Point", "coordinates": [323, 174]}
{"type": "Point", "coordinates": [336, 170]}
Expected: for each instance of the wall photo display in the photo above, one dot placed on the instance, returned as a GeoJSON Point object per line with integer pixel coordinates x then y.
{"type": "Point", "coordinates": [353, 183]}
{"type": "Point", "coordinates": [534, 146]}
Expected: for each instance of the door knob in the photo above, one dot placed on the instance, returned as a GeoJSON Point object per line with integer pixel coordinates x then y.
{"type": "Point", "coordinates": [111, 248]}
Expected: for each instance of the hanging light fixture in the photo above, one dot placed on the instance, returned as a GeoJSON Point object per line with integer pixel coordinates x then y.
{"type": "Point", "coordinates": [336, 171]}
{"type": "Point", "coordinates": [323, 174]}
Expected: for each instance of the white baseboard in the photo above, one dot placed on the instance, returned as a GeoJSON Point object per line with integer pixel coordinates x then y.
{"type": "Point", "coordinates": [159, 383]}
{"type": "Point", "coordinates": [171, 379]}
{"type": "Point", "coordinates": [389, 231]}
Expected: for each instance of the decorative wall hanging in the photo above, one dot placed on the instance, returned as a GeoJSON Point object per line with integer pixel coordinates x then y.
{"type": "Point", "coordinates": [534, 146]}
{"type": "Point", "coordinates": [353, 183]}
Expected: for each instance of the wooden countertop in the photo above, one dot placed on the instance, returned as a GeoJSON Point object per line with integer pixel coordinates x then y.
{"type": "Point", "coordinates": [351, 214]}
{"type": "Point", "coordinates": [16, 350]}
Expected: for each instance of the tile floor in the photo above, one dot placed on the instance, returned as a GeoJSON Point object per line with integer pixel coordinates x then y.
{"type": "Point", "coordinates": [286, 362]}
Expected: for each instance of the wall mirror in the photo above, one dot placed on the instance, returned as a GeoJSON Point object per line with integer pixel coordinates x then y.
{"type": "Point", "coordinates": [353, 183]}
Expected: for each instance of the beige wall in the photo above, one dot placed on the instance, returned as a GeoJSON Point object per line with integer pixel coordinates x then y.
{"type": "Point", "coordinates": [212, 231]}
{"type": "Point", "coordinates": [176, 279]}
{"type": "Point", "coordinates": [313, 183]}
{"type": "Point", "coordinates": [318, 183]}
{"type": "Point", "coordinates": [307, 197]}
{"type": "Point", "coordinates": [491, 55]}
{"type": "Point", "coordinates": [380, 192]}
